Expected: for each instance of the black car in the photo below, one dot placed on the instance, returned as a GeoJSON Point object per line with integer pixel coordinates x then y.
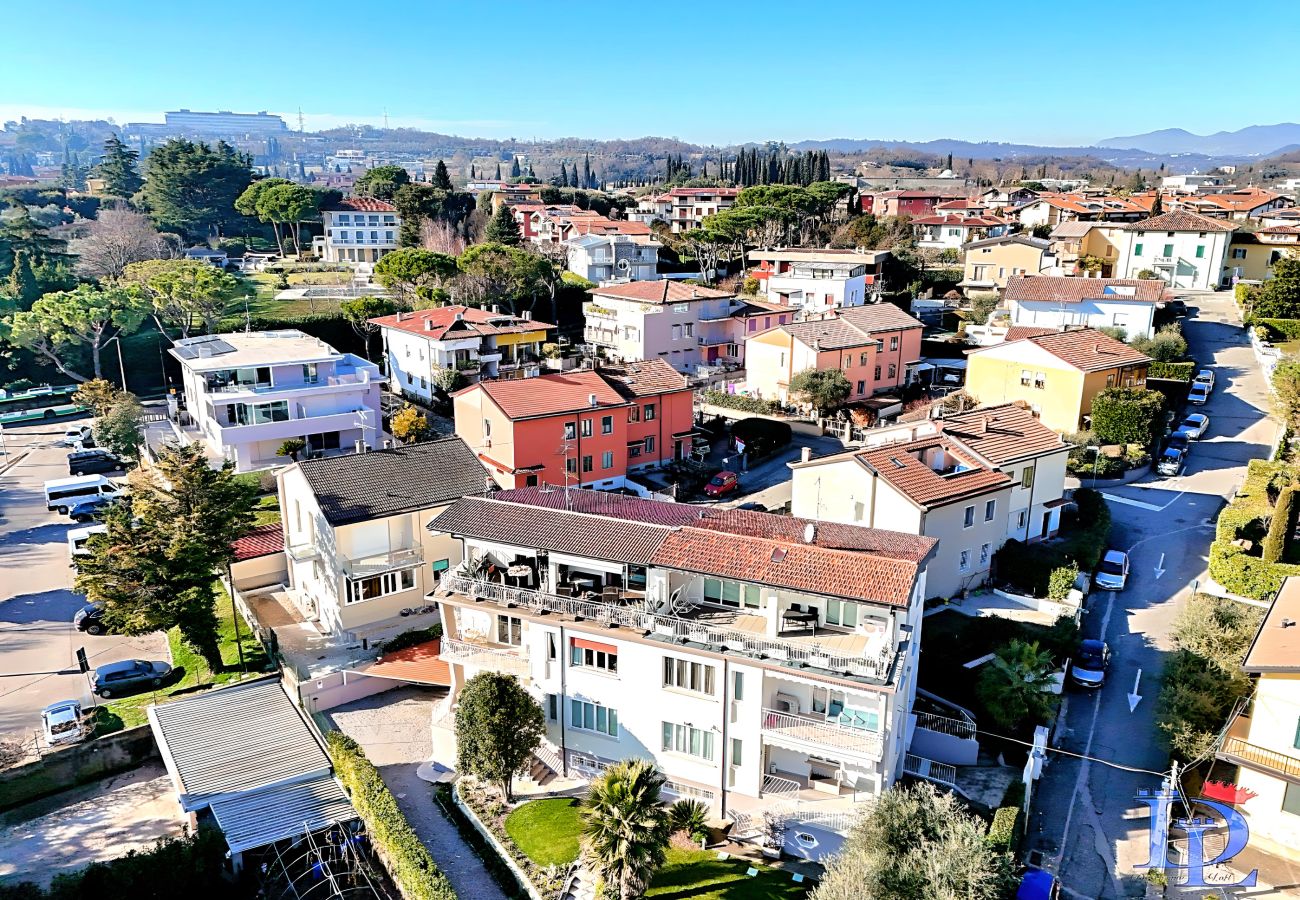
{"type": "Point", "coordinates": [1090, 664]}
{"type": "Point", "coordinates": [752, 506]}
{"type": "Point", "coordinates": [90, 619]}
{"type": "Point", "coordinates": [95, 462]}
{"type": "Point", "coordinates": [118, 678]}
{"type": "Point", "coordinates": [91, 508]}
{"type": "Point", "coordinates": [1176, 308]}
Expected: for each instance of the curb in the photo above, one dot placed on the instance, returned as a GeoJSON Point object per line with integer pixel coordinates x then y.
{"type": "Point", "coordinates": [495, 844]}
{"type": "Point", "coordinates": [14, 461]}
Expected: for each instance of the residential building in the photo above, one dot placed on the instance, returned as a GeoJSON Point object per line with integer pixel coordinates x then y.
{"type": "Point", "coordinates": [998, 199]}
{"type": "Point", "coordinates": [950, 232]}
{"type": "Point", "coordinates": [1240, 205]}
{"type": "Point", "coordinates": [876, 347]}
{"type": "Point", "coordinates": [359, 229]}
{"type": "Point", "coordinates": [516, 193]}
{"type": "Point", "coordinates": [683, 208]}
{"type": "Point", "coordinates": [583, 427]}
{"type": "Point", "coordinates": [1189, 184]}
{"type": "Point", "coordinates": [1063, 302]}
{"type": "Point", "coordinates": [761, 662]}
{"type": "Point", "coordinates": [981, 478]}
{"type": "Point", "coordinates": [990, 262]}
{"type": "Point", "coordinates": [248, 392]}
{"type": "Point", "coordinates": [908, 202]}
{"type": "Point", "coordinates": [962, 206]}
{"type": "Point", "coordinates": [1263, 740]}
{"type": "Point", "coordinates": [1056, 374]}
{"type": "Point", "coordinates": [606, 257]}
{"type": "Point", "coordinates": [817, 281]}
{"type": "Point", "coordinates": [653, 319]}
{"type": "Point", "coordinates": [1076, 242]}
{"type": "Point", "coordinates": [1184, 249]}
{"type": "Point", "coordinates": [1053, 209]}
{"type": "Point", "coordinates": [354, 537]}
{"type": "Point", "coordinates": [478, 343]}
{"type": "Point", "coordinates": [1251, 255]}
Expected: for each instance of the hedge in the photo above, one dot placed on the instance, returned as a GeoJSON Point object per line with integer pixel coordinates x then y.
{"type": "Point", "coordinates": [1004, 832]}
{"type": "Point", "coordinates": [1240, 573]}
{"type": "Point", "coordinates": [1248, 517]}
{"type": "Point", "coordinates": [1030, 567]}
{"type": "Point", "coordinates": [762, 436]}
{"type": "Point", "coordinates": [1279, 528]}
{"type": "Point", "coordinates": [1061, 582]}
{"type": "Point", "coordinates": [1174, 371]}
{"type": "Point", "coordinates": [741, 402]}
{"type": "Point", "coordinates": [1128, 416]}
{"type": "Point", "coordinates": [408, 860]}
{"type": "Point", "coordinates": [1288, 329]}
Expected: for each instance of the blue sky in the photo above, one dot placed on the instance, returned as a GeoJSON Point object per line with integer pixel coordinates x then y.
{"type": "Point", "coordinates": [1017, 70]}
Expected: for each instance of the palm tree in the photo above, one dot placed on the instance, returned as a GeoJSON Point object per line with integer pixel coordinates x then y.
{"type": "Point", "coordinates": [625, 826]}
{"type": "Point", "coordinates": [1017, 684]}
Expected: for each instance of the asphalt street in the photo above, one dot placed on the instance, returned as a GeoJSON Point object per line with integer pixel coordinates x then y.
{"type": "Point", "coordinates": [38, 643]}
{"type": "Point", "coordinates": [1086, 819]}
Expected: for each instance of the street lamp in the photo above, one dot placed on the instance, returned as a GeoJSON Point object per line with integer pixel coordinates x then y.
{"type": "Point", "coordinates": [117, 339]}
{"type": "Point", "coordinates": [1096, 458]}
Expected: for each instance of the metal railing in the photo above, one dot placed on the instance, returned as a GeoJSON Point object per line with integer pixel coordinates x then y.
{"type": "Point", "coordinates": [958, 728]}
{"type": "Point", "coordinates": [1255, 756]}
{"type": "Point", "coordinates": [808, 730]}
{"type": "Point", "coordinates": [378, 563]}
{"type": "Point", "coordinates": [494, 658]}
{"type": "Point", "coordinates": [776, 786]}
{"type": "Point", "coordinates": [808, 653]}
{"type": "Point", "coordinates": [939, 773]}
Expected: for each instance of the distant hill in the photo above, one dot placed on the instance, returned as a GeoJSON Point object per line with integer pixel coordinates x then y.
{"type": "Point", "coordinates": [1253, 140]}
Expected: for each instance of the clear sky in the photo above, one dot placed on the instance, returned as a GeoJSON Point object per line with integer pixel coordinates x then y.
{"type": "Point", "coordinates": [1031, 71]}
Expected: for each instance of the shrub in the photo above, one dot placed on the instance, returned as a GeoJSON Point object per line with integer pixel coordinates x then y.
{"type": "Point", "coordinates": [750, 286]}
{"type": "Point", "coordinates": [1279, 529]}
{"type": "Point", "coordinates": [1173, 371]}
{"type": "Point", "coordinates": [1128, 416]}
{"type": "Point", "coordinates": [1240, 573]}
{"type": "Point", "coordinates": [1284, 329]}
{"type": "Point", "coordinates": [1241, 293]}
{"type": "Point", "coordinates": [690, 816]}
{"type": "Point", "coordinates": [408, 860]}
{"type": "Point", "coordinates": [1061, 582]}
{"type": "Point", "coordinates": [1005, 831]}
{"type": "Point", "coordinates": [1167, 345]}
{"type": "Point", "coordinates": [1030, 567]}
{"type": "Point", "coordinates": [413, 637]}
{"type": "Point", "coordinates": [741, 402]}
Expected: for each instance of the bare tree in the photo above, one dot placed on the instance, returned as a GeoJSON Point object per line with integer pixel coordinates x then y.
{"type": "Point", "coordinates": [441, 237]}
{"type": "Point", "coordinates": [116, 239]}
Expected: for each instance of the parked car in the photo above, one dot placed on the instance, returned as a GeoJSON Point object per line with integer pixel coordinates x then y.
{"type": "Point", "coordinates": [1194, 426]}
{"type": "Point", "coordinates": [62, 723]}
{"type": "Point", "coordinates": [77, 436]}
{"type": "Point", "coordinates": [95, 462]}
{"type": "Point", "coordinates": [1112, 571]}
{"type": "Point", "coordinates": [116, 679]}
{"type": "Point", "coordinates": [1205, 377]}
{"type": "Point", "coordinates": [1199, 393]}
{"type": "Point", "coordinates": [752, 506]}
{"type": "Point", "coordinates": [1176, 308]}
{"type": "Point", "coordinates": [1171, 462]}
{"type": "Point", "coordinates": [90, 619]}
{"type": "Point", "coordinates": [1088, 670]}
{"type": "Point", "coordinates": [1179, 441]}
{"type": "Point", "coordinates": [89, 509]}
{"type": "Point", "coordinates": [722, 484]}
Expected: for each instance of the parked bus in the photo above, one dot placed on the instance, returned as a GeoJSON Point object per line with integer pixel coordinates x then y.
{"type": "Point", "coordinates": [38, 403]}
{"type": "Point", "coordinates": [63, 493]}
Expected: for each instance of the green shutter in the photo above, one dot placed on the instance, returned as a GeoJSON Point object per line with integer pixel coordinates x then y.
{"type": "Point", "coordinates": [1169, 250]}
{"type": "Point", "coordinates": [1200, 251]}
{"type": "Point", "coordinates": [1137, 249]}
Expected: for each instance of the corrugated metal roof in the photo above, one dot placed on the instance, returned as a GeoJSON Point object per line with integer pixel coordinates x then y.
{"type": "Point", "coordinates": [233, 740]}
{"type": "Point", "coordinates": [258, 818]}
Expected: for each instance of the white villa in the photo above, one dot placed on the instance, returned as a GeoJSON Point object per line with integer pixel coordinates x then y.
{"type": "Point", "coordinates": [358, 229]}
{"type": "Point", "coordinates": [1184, 249]}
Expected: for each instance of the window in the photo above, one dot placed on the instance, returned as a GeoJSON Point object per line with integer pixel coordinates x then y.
{"type": "Point", "coordinates": [649, 412]}
{"type": "Point", "coordinates": [732, 593]}
{"type": "Point", "coordinates": [634, 414]}
{"type": "Point", "coordinates": [607, 425]}
{"type": "Point", "coordinates": [1026, 378]}
{"type": "Point", "coordinates": [968, 517]}
{"type": "Point", "coordinates": [586, 427]}
{"type": "Point", "coordinates": [677, 332]}
{"type": "Point", "coordinates": [737, 759]}
{"type": "Point", "coordinates": [593, 717]}
{"type": "Point", "coordinates": [586, 464]}
{"type": "Point", "coordinates": [510, 630]}
{"type": "Point", "coordinates": [1291, 799]}
{"type": "Point", "coordinates": [650, 444]}
{"type": "Point", "coordinates": [309, 375]}
{"type": "Point", "coordinates": [552, 707]}
{"type": "Point", "coordinates": [487, 428]}
{"type": "Point", "coordinates": [688, 676]}
{"type": "Point", "coordinates": [571, 466]}
{"type": "Point", "coordinates": [862, 359]}
{"type": "Point", "coordinates": [261, 413]}
{"type": "Point", "coordinates": [893, 342]}
{"type": "Point", "coordinates": [893, 371]}
{"type": "Point", "coordinates": [1296, 743]}
{"type": "Point", "coordinates": [688, 329]}
{"type": "Point", "coordinates": [1040, 381]}
{"type": "Point", "coordinates": [607, 459]}
{"type": "Point", "coordinates": [590, 655]}
{"type": "Point", "coordinates": [842, 613]}
{"type": "Point", "coordinates": [876, 373]}
{"type": "Point", "coordinates": [570, 431]}
{"type": "Point", "coordinates": [382, 585]}
{"type": "Point", "coordinates": [1137, 249]}
{"type": "Point", "coordinates": [1027, 477]}
{"type": "Point", "coordinates": [738, 685]}
{"type": "Point", "coordinates": [689, 740]}
{"type": "Point", "coordinates": [1200, 251]}
{"type": "Point", "coordinates": [440, 565]}
{"type": "Point", "coordinates": [1021, 518]}
{"type": "Point", "coordinates": [963, 561]}
{"type": "Point", "coordinates": [984, 553]}
{"type": "Point", "coordinates": [862, 387]}
{"type": "Point", "coordinates": [1238, 252]}
{"type": "Point", "coordinates": [1169, 250]}
{"type": "Point", "coordinates": [990, 509]}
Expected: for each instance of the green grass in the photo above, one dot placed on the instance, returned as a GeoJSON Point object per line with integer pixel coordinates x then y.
{"type": "Point", "coordinates": [262, 302]}
{"type": "Point", "coordinates": [700, 875]}
{"type": "Point", "coordinates": [191, 671]}
{"type": "Point", "coordinates": [267, 511]}
{"type": "Point", "coordinates": [546, 830]}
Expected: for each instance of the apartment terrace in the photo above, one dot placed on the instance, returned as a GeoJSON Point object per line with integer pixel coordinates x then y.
{"type": "Point", "coordinates": [1236, 749]}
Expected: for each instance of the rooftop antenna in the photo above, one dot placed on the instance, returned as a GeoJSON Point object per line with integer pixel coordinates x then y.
{"type": "Point", "coordinates": [385, 118]}
{"type": "Point", "coordinates": [300, 120]}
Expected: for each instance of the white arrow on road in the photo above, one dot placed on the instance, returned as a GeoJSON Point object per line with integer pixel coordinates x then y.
{"type": "Point", "coordinates": [1160, 567]}
{"type": "Point", "coordinates": [1134, 698]}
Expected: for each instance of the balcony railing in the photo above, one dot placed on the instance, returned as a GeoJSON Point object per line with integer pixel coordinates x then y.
{"type": "Point", "coordinates": [1253, 756]}
{"type": "Point", "coordinates": [809, 653]}
{"type": "Point", "coordinates": [496, 659]}
{"type": "Point", "coordinates": [819, 732]}
{"type": "Point", "coordinates": [958, 728]}
{"type": "Point", "coordinates": [775, 786]}
{"type": "Point", "coordinates": [378, 563]}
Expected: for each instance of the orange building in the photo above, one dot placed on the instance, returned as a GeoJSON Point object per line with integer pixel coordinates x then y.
{"type": "Point", "coordinates": [588, 427]}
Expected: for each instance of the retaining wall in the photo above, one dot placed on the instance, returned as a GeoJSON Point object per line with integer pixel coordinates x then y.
{"type": "Point", "coordinates": [76, 764]}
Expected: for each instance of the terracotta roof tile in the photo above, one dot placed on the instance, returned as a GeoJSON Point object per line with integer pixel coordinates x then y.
{"type": "Point", "coordinates": [263, 540]}
{"type": "Point", "coordinates": [882, 316]}
{"type": "Point", "coordinates": [436, 323]}
{"type": "Point", "coordinates": [1020, 332]}
{"type": "Point", "coordinates": [1002, 434]}
{"type": "Point", "coordinates": [1085, 349]}
{"type": "Point", "coordinates": [644, 378]}
{"type": "Point", "coordinates": [546, 395]}
{"type": "Point", "coordinates": [360, 204]}
{"type": "Point", "coordinates": [1068, 289]}
{"type": "Point", "coordinates": [662, 291]}
{"type": "Point", "coordinates": [907, 467]}
{"type": "Point", "coordinates": [1179, 220]}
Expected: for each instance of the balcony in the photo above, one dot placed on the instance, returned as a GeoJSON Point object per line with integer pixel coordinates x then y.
{"type": "Point", "coordinates": [302, 552]}
{"type": "Point", "coordinates": [816, 733]}
{"type": "Point", "coordinates": [797, 653]}
{"type": "Point", "coordinates": [1165, 260]}
{"type": "Point", "coordinates": [1239, 751]}
{"type": "Point", "coordinates": [378, 563]}
{"type": "Point", "coordinates": [484, 656]}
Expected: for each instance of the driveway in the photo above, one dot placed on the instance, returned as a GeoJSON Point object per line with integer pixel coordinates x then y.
{"type": "Point", "coordinates": [1086, 819]}
{"type": "Point", "coordinates": [99, 821]}
{"type": "Point", "coordinates": [38, 644]}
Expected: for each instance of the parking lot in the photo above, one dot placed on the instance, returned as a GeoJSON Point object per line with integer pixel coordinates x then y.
{"type": "Point", "coordinates": [38, 643]}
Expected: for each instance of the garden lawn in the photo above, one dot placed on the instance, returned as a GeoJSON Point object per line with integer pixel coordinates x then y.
{"type": "Point", "coordinates": [191, 671]}
{"type": "Point", "coordinates": [263, 290]}
{"type": "Point", "coordinates": [700, 875]}
{"type": "Point", "coordinates": [546, 830]}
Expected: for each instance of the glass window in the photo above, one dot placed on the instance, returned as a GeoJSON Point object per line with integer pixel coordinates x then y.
{"type": "Point", "coordinates": [570, 431]}
{"type": "Point", "coordinates": [571, 466]}
{"type": "Point", "coordinates": [607, 459]}
{"type": "Point", "coordinates": [842, 613]}
{"type": "Point", "coordinates": [984, 554]}
{"type": "Point", "coordinates": [1027, 477]}
{"type": "Point", "coordinates": [649, 412]}
{"type": "Point", "coordinates": [737, 758]}
{"type": "Point", "coordinates": [963, 562]}
{"type": "Point", "coordinates": [590, 658]}
{"type": "Point", "coordinates": [586, 427]}
{"type": "Point", "coordinates": [738, 685]}
{"type": "Point", "coordinates": [586, 464]}
{"type": "Point", "coordinates": [689, 740]}
{"type": "Point", "coordinates": [607, 425]}
{"type": "Point", "coordinates": [510, 630]}
{"type": "Point", "coordinates": [650, 444]}
{"type": "Point", "coordinates": [309, 374]}
{"type": "Point", "coordinates": [990, 509]}
{"type": "Point", "coordinates": [1291, 799]}
{"type": "Point", "coordinates": [968, 517]}
{"type": "Point", "coordinates": [593, 717]}
{"type": "Point", "coordinates": [688, 676]}
{"type": "Point", "coordinates": [893, 342]}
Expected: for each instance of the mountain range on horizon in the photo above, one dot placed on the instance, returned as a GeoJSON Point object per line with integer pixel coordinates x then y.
{"type": "Point", "coordinates": [1253, 140]}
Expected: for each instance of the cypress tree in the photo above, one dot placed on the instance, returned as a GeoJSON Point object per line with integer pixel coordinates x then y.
{"type": "Point", "coordinates": [586, 171]}
{"type": "Point", "coordinates": [564, 175]}
{"type": "Point", "coordinates": [514, 167]}
{"type": "Point", "coordinates": [531, 173]}
{"type": "Point", "coordinates": [441, 177]}
{"type": "Point", "coordinates": [498, 170]}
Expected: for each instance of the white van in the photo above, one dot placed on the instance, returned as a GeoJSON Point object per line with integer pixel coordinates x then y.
{"type": "Point", "coordinates": [77, 538]}
{"type": "Point", "coordinates": [62, 493]}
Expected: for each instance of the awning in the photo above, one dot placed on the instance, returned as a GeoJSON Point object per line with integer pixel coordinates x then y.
{"type": "Point", "coordinates": [1057, 503]}
{"type": "Point", "coordinates": [420, 664]}
{"type": "Point", "coordinates": [594, 645]}
{"type": "Point", "coordinates": [686, 434]}
{"type": "Point", "coordinates": [259, 818]}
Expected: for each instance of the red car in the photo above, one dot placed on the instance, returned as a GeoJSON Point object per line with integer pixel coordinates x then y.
{"type": "Point", "coordinates": [722, 484]}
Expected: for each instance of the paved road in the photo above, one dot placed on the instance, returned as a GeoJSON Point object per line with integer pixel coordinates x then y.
{"type": "Point", "coordinates": [38, 643]}
{"type": "Point", "coordinates": [1086, 820]}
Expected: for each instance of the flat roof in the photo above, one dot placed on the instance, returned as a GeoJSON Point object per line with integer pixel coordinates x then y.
{"type": "Point", "coordinates": [849, 257]}
{"type": "Point", "coordinates": [1276, 647]}
{"type": "Point", "coordinates": [215, 352]}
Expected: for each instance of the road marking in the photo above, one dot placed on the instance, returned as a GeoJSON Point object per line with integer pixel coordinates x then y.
{"type": "Point", "coordinates": [1160, 567]}
{"type": "Point", "coordinates": [1140, 503]}
{"type": "Point", "coordinates": [1134, 698]}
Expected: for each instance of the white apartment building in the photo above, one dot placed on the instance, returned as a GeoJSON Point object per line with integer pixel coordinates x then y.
{"type": "Point", "coordinates": [1059, 302]}
{"type": "Point", "coordinates": [358, 229]}
{"type": "Point", "coordinates": [1184, 249]}
{"type": "Point", "coordinates": [356, 549]}
{"type": "Point", "coordinates": [656, 319]}
{"type": "Point", "coordinates": [610, 257]}
{"type": "Point", "coordinates": [970, 481]}
{"type": "Point", "coordinates": [249, 392]}
{"type": "Point", "coordinates": [764, 663]}
{"type": "Point", "coordinates": [683, 208]}
{"type": "Point", "coordinates": [817, 281]}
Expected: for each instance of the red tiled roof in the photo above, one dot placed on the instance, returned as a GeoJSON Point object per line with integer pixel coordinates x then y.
{"type": "Point", "coordinates": [547, 395]}
{"type": "Point", "coordinates": [420, 664]}
{"type": "Point", "coordinates": [884, 316]}
{"type": "Point", "coordinates": [904, 466]}
{"type": "Point", "coordinates": [1243, 200]}
{"type": "Point", "coordinates": [644, 378]}
{"type": "Point", "coordinates": [1179, 220]}
{"type": "Point", "coordinates": [1020, 332]}
{"type": "Point", "coordinates": [852, 326]}
{"type": "Point", "coordinates": [360, 204]}
{"type": "Point", "coordinates": [1002, 433]}
{"type": "Point", "coordinates": [1070, 289]}
{"type": "Point", "coordinates": [602, 225]}
{"type": "Point", "coordinates": [960, 221]}
{"type": "Point", "coordinates": [1085, 349]}
{"type": "Point", "coordinates": [435, 323]}
{"type": "Point", "coordinates": [263, 540]}
{"type": "Point", "coordinates": [662, 291]}
{"type": "Point", "coordinates": [695, 192]}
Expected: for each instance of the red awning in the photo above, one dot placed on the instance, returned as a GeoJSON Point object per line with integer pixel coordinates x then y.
{"type": "Point", "coordinates": [594, 645]}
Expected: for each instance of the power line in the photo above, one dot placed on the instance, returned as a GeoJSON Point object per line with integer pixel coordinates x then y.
{"type": "Point", "coordinates": [1104, 762]}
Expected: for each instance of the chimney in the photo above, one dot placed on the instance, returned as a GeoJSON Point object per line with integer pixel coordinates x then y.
{"type": "Point", "coordinates": [428, 324]}
{"type": "Point", "coordinates": [388, 443]}
{"type": "Point", "coordinates": [805, 455]}
{"type": "Point", "coordinates": [496, 310]}
{"type": "Point", "coordinates": [591, 400]}
{"type": "Point", "coordinates": [526, 315]}
{"type": "Point", "coordinates": [359, 447]}
{"type": "Point", "coordinates": [401, 316]}
{"type": "Point", "coordinates": [459, 317]}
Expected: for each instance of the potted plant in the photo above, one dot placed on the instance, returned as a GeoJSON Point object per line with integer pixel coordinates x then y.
{"type": "Point", "coordinates": [773, 836]}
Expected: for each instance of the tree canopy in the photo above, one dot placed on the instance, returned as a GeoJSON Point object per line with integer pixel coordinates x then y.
{"type": "Point", "coordinates": [119, 168]}
{"type": "Point", "coordinates": [66, 322]}
{"type": "Point", "coordinates": [502, 227]}
{"type": "Point", "coordinates": [626, 826]}
{"type": "Point", "coordinates": [1279, 297]}
{"type": "Point", "coordinates": [825, 389]}
{"type": "Point", "coordinates": [414, 275]}
{"type": "Point", "coordinates": [181, 291]}
{"type": "Point", "coordinates": [190, 188]}
{"type": "Point", "coordinates": [114, 240]}
{"type": "Point", "coordinates": [381, 182]}
{"type": "Point", "coordinates": [1016, 684]}
{"type": "Point", "coordinates": [498, 726]}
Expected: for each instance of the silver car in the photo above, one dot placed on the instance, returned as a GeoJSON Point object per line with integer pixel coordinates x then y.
{"type": "Point", "coordinates": [1112, 571]}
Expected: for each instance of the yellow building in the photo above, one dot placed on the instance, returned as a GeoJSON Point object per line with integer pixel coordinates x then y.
{"type": "Point", "coordinates": [989, 263]}
{"type": "Point", "coordinates": [1074, 240]}
{"type": "Point", "coordinates": [1264, 740]}
{"type": "Point", "coordinates": [1251, 255]}
{"type": "Point", "coordinates": [1057, 374]}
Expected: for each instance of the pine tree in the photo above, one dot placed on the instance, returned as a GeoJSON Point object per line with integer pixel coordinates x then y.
{"type": "Point", "coordinates": [118, 169]}
{"type": "Point", "coordinates": [514, 167]}
{"type": "Point", "coordinates": [498, 170]}
{"type": "Point", "coordinates": [441, 177]}
{"type": "Point", "coordinates": [502, 227]}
